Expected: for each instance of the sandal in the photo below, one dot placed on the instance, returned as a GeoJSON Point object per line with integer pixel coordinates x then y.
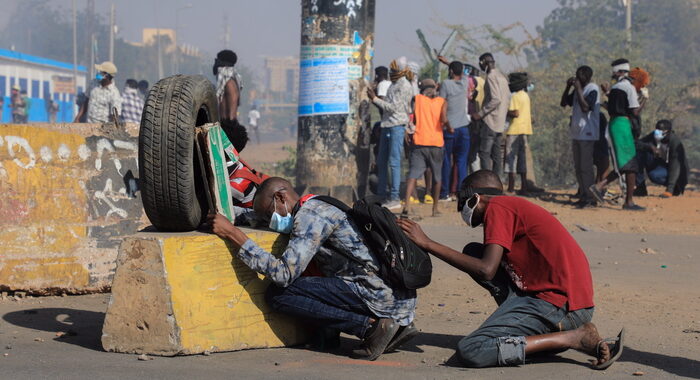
{"type": "Point", "coordinates": [615, 350]}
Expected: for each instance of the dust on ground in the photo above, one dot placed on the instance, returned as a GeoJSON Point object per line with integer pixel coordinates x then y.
{"type": "Point", "coordinates": [677, 216]}
{"type": "Point", "coordinates": [674, 216]}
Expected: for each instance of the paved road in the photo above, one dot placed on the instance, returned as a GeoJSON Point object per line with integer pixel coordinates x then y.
{"type": "Point", "coordinates": [656, 296]}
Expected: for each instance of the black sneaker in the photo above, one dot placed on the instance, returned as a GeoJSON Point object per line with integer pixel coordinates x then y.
{"type": "Point", "coordinates": [402, 336]}
{"type": "Point", "coordinates": [377, 339]}
{"type": "Point", "coordinates": [641, 191]}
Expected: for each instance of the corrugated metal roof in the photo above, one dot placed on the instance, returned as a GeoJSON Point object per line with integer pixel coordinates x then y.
{"type": "Point", "coordinates": [17, 56]}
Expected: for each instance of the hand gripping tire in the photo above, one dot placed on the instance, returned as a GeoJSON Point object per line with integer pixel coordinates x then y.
{"type": "Point", "coordinates": [171, 185]}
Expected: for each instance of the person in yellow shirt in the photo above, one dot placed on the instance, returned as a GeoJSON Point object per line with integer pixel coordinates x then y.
{"type": "Point", "coordinates": [516, 135]}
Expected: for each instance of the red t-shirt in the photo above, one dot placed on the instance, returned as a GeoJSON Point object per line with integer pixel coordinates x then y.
{"type": "Point", "coordinates": [540, 255]}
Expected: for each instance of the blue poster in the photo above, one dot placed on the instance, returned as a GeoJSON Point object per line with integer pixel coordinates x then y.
{"type": "Point", "coordinates": [323, 86]}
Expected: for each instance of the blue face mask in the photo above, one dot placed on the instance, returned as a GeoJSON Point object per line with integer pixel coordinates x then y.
{"type": "Point", "coordinates": [530, 87]}
{"type": "Point", "coordinates": [279, 223]}
{"type": "Point", "coordinates": [99, 76]}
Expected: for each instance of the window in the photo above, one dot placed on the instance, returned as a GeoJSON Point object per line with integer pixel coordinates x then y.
{"type": "Point", "coordinates": [35, 89]}
{"type": "Point", "coordinates": [47, 90]}
{"type": "Point", "coordinates": [3, 80]}
{"type": "Point", "coordinates": [23, 84]}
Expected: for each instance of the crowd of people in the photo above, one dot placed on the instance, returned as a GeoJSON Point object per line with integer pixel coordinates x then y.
{"type": "Point", "coordinates": [480, 118]}
{"type": "Point", "coordinates": [103, 102]}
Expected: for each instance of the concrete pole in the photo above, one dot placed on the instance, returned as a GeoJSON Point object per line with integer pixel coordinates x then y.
{"type": "Point", "coordinates": [628, 23]}
{"type": "Point", "coordinates": [160, 52]}
{"type": "Point", "coordinates": [111, 34]}
{"type": "Point", "coordinates": [177, 36]}
{"type": "Point", "coordinates": [329, 122]}
{"type": "Point", "coordinates": [75, 50]}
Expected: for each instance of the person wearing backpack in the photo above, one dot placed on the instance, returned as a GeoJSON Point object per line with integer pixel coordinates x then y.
{"type": "Point", "coordinates": [535, 270]}
{"type": "Point", "coordinates": [351, 297]}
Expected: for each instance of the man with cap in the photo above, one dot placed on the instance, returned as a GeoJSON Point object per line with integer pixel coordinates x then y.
{"type": "Point", "coordinates": [228, 84]}
{"type": "Point", "coordinates": [623, 105]}
{"type": "Point", "coordinates": [103, 98]}
{"type": "Point", "coordinates": [537, 273]}
{"type": "Point", "coordinates": [18, 105]}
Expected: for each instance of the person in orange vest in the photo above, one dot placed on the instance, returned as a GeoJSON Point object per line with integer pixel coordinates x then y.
{"type": "Point", "coordinates": [430, 112]}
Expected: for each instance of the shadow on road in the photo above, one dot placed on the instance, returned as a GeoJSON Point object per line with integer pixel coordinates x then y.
{"type": "Point", "coordinates": [676, 365]}
{"type": "Point", "coordinates": [80, 327]}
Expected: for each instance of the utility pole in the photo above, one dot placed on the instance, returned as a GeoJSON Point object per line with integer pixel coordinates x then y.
{"type": "Point", "coordinates": [90, 39]}
{"type": "Point", "coordinates": [160, 52]}
{"type": "Point", "coordinates": [628, 22]}
{"type": "Point", "coordinates": [75, 51]}
{"type": "Point", "coordinates": [111, 34]}
{"type": "Point", "coordinates": [226, 38]}
{"type": "Point", "coordinates": [337, 41]}
{"type": "Point", "coordinates": [177, 36]}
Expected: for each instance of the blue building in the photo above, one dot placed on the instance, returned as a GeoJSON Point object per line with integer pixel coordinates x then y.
{"type": "Point", "coordinates": [43, 79]}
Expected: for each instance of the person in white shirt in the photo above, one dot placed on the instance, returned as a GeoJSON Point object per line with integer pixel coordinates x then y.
{"type": "Point", "coordinates": [585, 118]}
{"type": "Point", "coordinates": [253, 116]}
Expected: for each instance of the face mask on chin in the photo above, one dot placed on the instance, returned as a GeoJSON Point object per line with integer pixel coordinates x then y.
{"type": "Point", "coordinates": [279, 223]}
{"type": "Point", "coordinates": [468, 212]}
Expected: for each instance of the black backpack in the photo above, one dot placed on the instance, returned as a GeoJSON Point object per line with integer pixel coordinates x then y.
{"type": "Point", "coordinates": [402, 262]}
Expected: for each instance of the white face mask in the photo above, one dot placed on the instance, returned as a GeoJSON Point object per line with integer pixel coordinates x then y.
{"type": "Point", "coordinates": [468, 212]}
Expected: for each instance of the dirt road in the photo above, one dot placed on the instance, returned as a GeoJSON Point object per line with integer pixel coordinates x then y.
{"type": "Point", "coordinates": [651, 287]}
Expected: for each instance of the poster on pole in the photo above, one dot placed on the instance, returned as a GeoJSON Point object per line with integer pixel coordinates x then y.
{"type": "Point", "coordinates": [323, 86]}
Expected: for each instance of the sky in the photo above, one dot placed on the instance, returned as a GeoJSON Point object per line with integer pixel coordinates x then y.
{"type": "Point", "coordinates": [262, 28]}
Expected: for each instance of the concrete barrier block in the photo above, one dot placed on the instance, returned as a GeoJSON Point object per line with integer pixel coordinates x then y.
{"type": "Point", "coordinates": [69, 193]}
{"type": "Point", "coordinates": [186, 293]}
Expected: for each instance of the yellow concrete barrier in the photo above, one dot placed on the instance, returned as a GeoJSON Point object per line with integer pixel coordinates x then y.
{"type": "Point", "coordinates": [69, 192]}
{"type": "Point", "coordinates": [187, 293]}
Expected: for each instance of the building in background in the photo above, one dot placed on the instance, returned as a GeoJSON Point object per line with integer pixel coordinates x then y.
{"type": "Point", "coordinates": [281, 81]}
{"type": "Point", "coordinates": [43, 79]}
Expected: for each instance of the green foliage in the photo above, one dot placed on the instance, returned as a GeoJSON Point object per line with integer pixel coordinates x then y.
{"type": "Point", "coordinates": [285, 168]}
{"type": "Point", "coordinates": [591, 32]}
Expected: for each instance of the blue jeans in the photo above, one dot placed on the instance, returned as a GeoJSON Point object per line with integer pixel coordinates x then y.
{"type": "Point", "coordinates": [328, 302]}
{"type": "Point", "coordinates": [657, 172]}
{"type": "Point", "coordinates": [456, 153]}
{"type": "Point", "coordinates": [389, 158]}
{"type": "Point", "coordinates": [500, 340]}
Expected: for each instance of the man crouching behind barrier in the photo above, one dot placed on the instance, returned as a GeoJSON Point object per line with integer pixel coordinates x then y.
{"type": "Point", "coordinates": [534, 269]}
{"type": "Point", "coordinates": [350, 296]}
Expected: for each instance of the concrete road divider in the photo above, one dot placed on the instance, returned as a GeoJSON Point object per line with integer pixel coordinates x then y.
{"type": "Point", "coordinates": [68, 193]}
{"type": "Point", "coordinates": [186, 293]}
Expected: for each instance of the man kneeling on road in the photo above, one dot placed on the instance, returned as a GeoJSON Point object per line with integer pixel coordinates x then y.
{"type": "Point", "coordinates": [534, 269]}
{"type": "Point", "coordinates": [350, 297]}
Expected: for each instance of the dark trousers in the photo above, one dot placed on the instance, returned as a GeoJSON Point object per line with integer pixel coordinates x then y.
{"type": "Point", "coordinates": [650, 165]}
{"type": "Point", "coordinates": [328, 302]}
{"type": "Point", "coordinates": [583, 166]}
{"type": "Point", "coordinates": [500, 340]}
{"type": "Point", "coordinates": [490, 152]}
